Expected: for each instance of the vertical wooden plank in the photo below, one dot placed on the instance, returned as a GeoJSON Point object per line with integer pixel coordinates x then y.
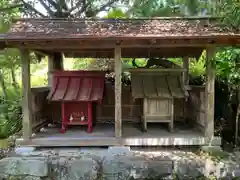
{"type": "Point", "coordinates": [26, 95]}
{"type": "Point", "coordinates": [210, 92]}
{"type": "Point", "coordinates": [186, 73]}
{"type": "Point", "coordinates": [118, 92]}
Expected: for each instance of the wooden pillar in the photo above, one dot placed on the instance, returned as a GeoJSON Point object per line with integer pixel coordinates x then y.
{"type": "Point", "coordinates": [26, 93]}
{"type": "Point", "coordinates": [186, 73]}
{"type": "Point", "coordinates": [55, 62]}
{"type": "Point", "coordinates": [210, 92]}
{"type": "Point", "coordinates": [118, 92]}
{"type": "Point", "coordinates": [186, 83]}
{"type": "Point", "coordinates": [50, 70]}
{"type": "Point", "coordinates": [58, 61]}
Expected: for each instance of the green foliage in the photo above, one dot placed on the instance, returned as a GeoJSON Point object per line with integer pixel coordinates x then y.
{"type": "Point", "coordinates": [153, 8]}
{"type": "Point", "coordinates": [82, 63]}
{"type": "Point", "coordinates": [116, 13]}
{"type": "Point", "coordinates": [197, 67]}
{"type": "Point", "coordinates": [10, 115]}
{"type": "Point", "coordinates": [156, 8]}
{"type": "Point", "coordinates": [127, 63]}
{"type": "Point", "coordinates": [192, 6]}
{"type": "Point", "coordinates": [231, 13]}
{"type": "Point", "coordinates": [227, 65]}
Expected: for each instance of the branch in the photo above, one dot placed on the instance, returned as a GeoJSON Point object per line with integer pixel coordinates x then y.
{"type": "Point", "coordinates": [77, 5]}
{"type": "Point", "coordinates": [54, 4]}
{"type": "Point", "coordinates": [30, 7]}
{"type": "Point", "coordinates": [62, 4]}
{"type": "Point", "coordinates": [50, 12]}
{"type": "Point", "coordinates": [84, 8]}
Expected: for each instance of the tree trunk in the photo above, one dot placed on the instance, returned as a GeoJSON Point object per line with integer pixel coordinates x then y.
{"type": "Point", "coordinates": [3, 86]}
{"type": "Point", "coordinates": [14, 82]}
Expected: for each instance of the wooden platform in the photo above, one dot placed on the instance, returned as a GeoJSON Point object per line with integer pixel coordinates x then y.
{"type": "Point", "coordinates": [103, 135]}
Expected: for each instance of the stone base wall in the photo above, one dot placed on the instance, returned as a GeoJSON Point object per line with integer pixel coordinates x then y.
{"type": "Point", "coordinates": [115, 163]}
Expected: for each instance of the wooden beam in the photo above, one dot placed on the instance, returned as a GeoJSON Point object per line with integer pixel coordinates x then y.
{"type": "Point", "coordinates": [69, 46]}
{"type": "Point", "coordinates": [136, 52]}
{"type": "Point", "coordinates": [210, 92]}
{"type": "Point", "coordinates": [26, 93]}
{"type": "Point", "coordinates": [127, 42]}
{"type": "Point", "coordinates": [155, 70]}
{"type": "Point", "coordinates": [118, 92]}
{"type": "Point", "coordinates": [186, 73]}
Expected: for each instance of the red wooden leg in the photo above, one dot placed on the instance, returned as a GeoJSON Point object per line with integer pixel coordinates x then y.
{"type": "Point", "coordinates": [63, 129]}
{"type": "Point", "coordinates": [89, 117]}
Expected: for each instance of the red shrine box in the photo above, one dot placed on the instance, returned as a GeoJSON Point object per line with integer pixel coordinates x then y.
{"type": "Point", "coordinates": [77, 91]}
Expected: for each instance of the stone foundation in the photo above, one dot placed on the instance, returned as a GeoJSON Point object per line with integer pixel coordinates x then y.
{"type": "Point", "coordinates": [115, 163]}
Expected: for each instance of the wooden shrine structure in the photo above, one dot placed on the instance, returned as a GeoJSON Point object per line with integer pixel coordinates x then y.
{"type": "Point", "coordinates": [117, 38]}
{"type": "Point", "coordinates": [77, 91]}
{"type": "Point", "coordinates": [158, 90]}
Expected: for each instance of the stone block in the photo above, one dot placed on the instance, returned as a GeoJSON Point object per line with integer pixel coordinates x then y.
{"type": "Point", "coordinates": [32, 178]}
{"type": "Point", "coordinates": [85, 168]}
{"type": "Point", "coordinates": [71, 169]}
{"type": "Point", "coordinates": [24, 166]}
{"type": "Point", "coordinates": [210, 149]}
{"type": "Point", "coordinates": [119, 150]}
{"type": "Point", "coordinates": [137, 167]}
{"type": "Point", "coordinates": [236, 173]}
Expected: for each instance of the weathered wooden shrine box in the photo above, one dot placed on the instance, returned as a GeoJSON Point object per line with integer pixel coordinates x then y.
{"type": "Point", "coordinates": [77, 91]}
{"type": "Point", "coordinates": [158, 91]}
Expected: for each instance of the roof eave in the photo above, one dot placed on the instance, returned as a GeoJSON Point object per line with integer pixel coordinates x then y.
{"type": "Point", "coordinates": [125, 19]}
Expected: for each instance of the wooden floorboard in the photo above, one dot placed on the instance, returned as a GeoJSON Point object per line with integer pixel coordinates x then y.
{"type": "Point", "coordinates": [132, 136]}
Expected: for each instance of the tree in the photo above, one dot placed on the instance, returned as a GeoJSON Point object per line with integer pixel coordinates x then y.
{"type": "Point", "coordinates": [63, 8]}
{"type": "Point", "coordinates": [156, 8]}
{"type": "Point", "coordinates": [231, 13]}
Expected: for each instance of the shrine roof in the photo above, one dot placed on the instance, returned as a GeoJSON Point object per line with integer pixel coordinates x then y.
{"type": "Point", "coordinates": [32, 28]}
{"type": "Point", "coordinates": [77, 86]}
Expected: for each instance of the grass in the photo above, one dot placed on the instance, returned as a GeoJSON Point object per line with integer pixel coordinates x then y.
{"type": "Point", "coordinates": [3, 143]}
{"type": "Point", "coordinates": [213, 154]}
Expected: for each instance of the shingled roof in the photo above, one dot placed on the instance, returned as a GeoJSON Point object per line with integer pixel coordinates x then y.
{"type": "Point", "coordinates": [89, 28]}
{"type": "Point", "coordinates": [157, 85]}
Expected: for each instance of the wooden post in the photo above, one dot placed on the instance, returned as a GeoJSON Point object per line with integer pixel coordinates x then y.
{"type": "Point", "coordinates": [50, 70]}
{"type": "Point", "coordinates": [55, 62]}
{"type": "Point", "coordinates": [90, 118]}
{"type": "Point", "coordinates": [185, 73]}
{"type": "Point", "coordinates": [118, 92]}
{"type": "Point", "coordinates": [210, 92]}
{"type": "Point", "coordinates": [26, 93]}
{"type": "Point", "coordinates": [145, 112]}
{"type": "Point", "coordinates": [171, 124]}
{"type": "Point", "coordinates": [64, 124]}
{"type": "Point", "coordinates": [185, 83]}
